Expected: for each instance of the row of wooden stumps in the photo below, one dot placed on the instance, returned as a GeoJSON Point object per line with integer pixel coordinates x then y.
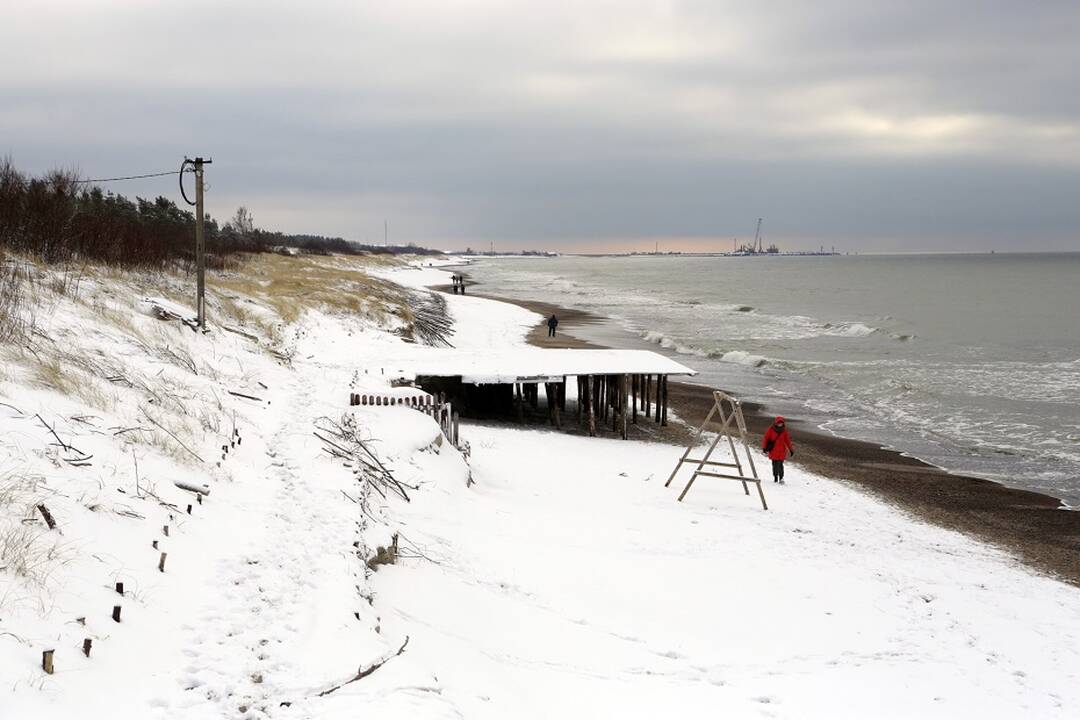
{"type": "Point", "coordinates": [618, 398]}
{"type": "Point", "coordinates": [48, 656]}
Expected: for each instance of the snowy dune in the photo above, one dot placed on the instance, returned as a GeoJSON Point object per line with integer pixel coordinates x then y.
{"type": "Point", "coordinates": [570, 583]}
{"type": "Point", "coordinates": [567, 582]}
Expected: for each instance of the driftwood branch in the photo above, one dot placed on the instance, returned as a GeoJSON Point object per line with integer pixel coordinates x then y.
{"type": "Point", "coordinates": [21, 413]}
{"type": "Point", "coordinates": [242, 395]}
{"type": "Point", "coordinates": [364, 672]}
{"type": "Point", "coordinates": [241, 333]}
{"type": "Point", "coordinates": [49, 428]}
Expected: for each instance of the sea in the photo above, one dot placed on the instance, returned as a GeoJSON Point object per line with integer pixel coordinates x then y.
{"type": "Point", "coordinates": [968, 362]}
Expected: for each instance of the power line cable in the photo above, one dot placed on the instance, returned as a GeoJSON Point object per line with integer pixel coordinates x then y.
{"type": "Point", "coordinates": [129, 177]}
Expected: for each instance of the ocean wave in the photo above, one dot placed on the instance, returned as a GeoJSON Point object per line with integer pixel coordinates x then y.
{"type": "Point", "coordinates": [852, 329]}
{"type": "Point", "coordinates": [742, 357]}
{"type": "Point", "coordinates": [669, 343]}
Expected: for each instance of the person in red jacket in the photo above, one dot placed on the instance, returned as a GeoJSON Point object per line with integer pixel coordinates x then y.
{"type": "Point", "coordinates": [777, 445]}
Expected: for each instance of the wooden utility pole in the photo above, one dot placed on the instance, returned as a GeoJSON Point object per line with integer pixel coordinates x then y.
{"type": "Point", "coordinates": [200, 235]}
{"type": "Point", "coordinates": [200, 240]}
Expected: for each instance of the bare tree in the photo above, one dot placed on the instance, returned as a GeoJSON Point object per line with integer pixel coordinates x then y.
{"type": "Point", "coordinates": [243, 222]}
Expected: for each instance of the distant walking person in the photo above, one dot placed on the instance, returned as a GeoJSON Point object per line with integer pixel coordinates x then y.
{"type": "Point", "coordinates": [553, 322]}
{"type": "Point", "coordinates": [777, 445]}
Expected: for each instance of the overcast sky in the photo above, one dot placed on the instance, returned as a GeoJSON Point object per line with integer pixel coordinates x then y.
{"type": "Point", "coordinates": [872, 126]}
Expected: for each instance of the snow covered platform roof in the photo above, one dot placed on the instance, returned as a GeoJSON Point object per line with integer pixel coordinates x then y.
{"type": "Point", "coordinates": [530, 364]}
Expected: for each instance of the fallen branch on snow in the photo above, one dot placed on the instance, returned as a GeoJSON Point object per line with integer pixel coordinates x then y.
{"type": "Point", "coordinates": [364, 672]}
{"type": "Point", "coordinates": [242, 395]}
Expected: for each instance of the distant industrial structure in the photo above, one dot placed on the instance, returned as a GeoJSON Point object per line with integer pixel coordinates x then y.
{"type": "Point", "coordinates": [752, 249]}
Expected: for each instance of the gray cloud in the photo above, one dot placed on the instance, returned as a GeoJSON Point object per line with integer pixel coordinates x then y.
{"type": "Point", "coordinates": [877, 126]}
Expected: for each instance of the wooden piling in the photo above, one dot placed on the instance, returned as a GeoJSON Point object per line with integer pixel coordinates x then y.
{"type": "Point", "coordinates": [645, 395]}
{"type": "Point", "coordinates": [634, 392]}
{"type": "Point", "coordinates": [116, 613]}
{"type": "Point", "coordinates": [616, 402]}
{"type": "Point", "coordinates": [553, 404]}
{"type": "Point", "coordinates": [161, 563]}
{"type": "Point", "coordinates": [592, 405]}
{"type": "Point", "coordinates": [47, 661]}
{"type": "Point", "coordinates": [580, 397]}
{"type": "Point", "coordinates": [656, 409]}
{"type": "Point", "coordinates": [87, 643]}
{"type": "Point", "coordinates": [119, 588]}
{"type": "Point", "coordinates": [625, 402]}
{"type": "Point", "coordinates": [663, 412]}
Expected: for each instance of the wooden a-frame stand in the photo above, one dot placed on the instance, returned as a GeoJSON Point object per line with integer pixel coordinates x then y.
{"type": "Point", "coordinates": [731, 421]}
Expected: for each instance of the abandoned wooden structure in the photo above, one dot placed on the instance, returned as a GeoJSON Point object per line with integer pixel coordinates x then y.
{"type": "Point", "coordinates": [733, 428]}
{"type": "Point", "coordinates": [590, 388]}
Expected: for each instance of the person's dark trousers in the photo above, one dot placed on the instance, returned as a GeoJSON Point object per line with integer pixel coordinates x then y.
{"type": "Point", "coordinates": [551, 331]}
{"type": "Point", "coordinates": [778, 470]}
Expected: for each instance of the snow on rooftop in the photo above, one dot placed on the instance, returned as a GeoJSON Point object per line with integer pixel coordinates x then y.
{"type": "Point", "coordinates": [531, 364]}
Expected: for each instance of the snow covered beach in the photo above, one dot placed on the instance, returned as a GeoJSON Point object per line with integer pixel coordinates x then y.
{"type": "Point", "coordinates": [565, 582]}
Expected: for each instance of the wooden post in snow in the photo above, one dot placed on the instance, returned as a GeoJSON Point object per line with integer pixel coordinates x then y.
{"type": "Point", "coordinates": [634, 391]}
{"type": "Point", "coordinates": [47, 661]}
{"type": "Point", "coordinates": [116, 613]}
{"type": "Point", "coordinates": [47, 515]}
{"type": "Point", "coordinates": [161, 563]}
{"type": "Point", "coordinates": [86, 644]}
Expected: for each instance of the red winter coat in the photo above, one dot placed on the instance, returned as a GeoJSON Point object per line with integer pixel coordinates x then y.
{"type": "Point", "coordinates": [782, 441]}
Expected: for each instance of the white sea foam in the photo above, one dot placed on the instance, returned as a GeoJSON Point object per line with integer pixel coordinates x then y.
{"type": "Point", "coordinates": [669, 343]}
{"type": "Point", "coordinates": [852, 329]}
{"type": "Point", "coordinates": [742, 357]}
{"type": "Point", "coordinates": [856, 330]}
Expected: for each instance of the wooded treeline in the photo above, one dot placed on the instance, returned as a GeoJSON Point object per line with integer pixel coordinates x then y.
{"type": "Point", "coordinates": [58, 218]}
